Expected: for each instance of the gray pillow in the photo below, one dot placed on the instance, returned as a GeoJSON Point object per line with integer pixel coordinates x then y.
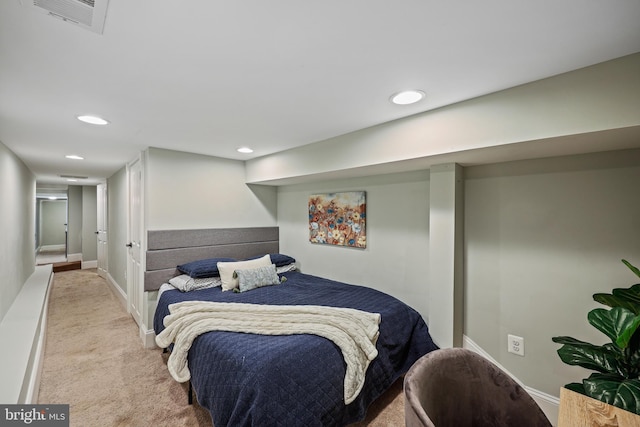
{"type": "Point", "coordinates": [256, 277]}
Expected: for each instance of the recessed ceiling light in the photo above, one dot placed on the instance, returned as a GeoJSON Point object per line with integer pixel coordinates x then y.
{"type": "Point", "coordinates": [245, 150]}
{"type": "Point", "coordinates": [94, 120]}
{"type": "Point", "coordinates": [74, 157]}
{"type": "Point", "coordinates": [407, 97]}
{"type": "Point", "coordinates": [72, 180]}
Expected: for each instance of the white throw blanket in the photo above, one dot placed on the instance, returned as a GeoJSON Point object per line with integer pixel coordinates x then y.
{"type": "Point", "coordinates": [355, 332]}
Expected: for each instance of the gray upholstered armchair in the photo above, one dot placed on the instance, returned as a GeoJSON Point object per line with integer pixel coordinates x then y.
{"type": "Point", "coordinates": [457, 387]}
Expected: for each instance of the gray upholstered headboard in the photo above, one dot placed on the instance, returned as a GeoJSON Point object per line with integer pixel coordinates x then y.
{"type": "Point", "coordinates": [168, 248]}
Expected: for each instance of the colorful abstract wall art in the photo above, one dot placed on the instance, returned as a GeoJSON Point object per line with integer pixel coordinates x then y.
{"type": "Point", "coordinates": [338, 219]}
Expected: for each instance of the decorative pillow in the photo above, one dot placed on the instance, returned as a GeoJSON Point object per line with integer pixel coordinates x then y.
{"type": "Point", "coordinates": [203, 267]}
{"type": "Point", "coordinates": [280, 259]}
{"type": "Point", "coordinates": [185, 283]}
{"type": "Point", "coordinates": [227, 269]}
{"type": "Point", "coordinates": [256, 278]}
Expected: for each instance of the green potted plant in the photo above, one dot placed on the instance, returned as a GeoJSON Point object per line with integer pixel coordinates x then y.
{"type": "Point", "coordinates": [617, 364]}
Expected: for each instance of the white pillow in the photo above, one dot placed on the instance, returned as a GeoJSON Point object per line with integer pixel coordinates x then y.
{"type": "Point", "coordinates": [226, 270]}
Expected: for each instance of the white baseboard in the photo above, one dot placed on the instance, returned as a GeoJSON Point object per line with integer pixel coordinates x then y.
{"type": "Point", "coordinates": [548, 403]}
{"type": "Point", "coordinates": [74, 257]}
{"type": "Point", "coordinates": [117, 290]}
{"type": "Point", "coordinates": [148, 338]}
{"type": "Point", "coordinates": [89, 264]}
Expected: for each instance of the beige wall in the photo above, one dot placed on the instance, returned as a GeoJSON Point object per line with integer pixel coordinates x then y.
{"type": "Point", "coordinates": [17, 226]}
{"type": "Point", "coordinates": [541, 236]}
{"type": "Point", "coordinates": [396, 258]}
{"type": "Point", "coordinates": [53, 217]}
{"type": "Point", "coordinates": [185, 191]}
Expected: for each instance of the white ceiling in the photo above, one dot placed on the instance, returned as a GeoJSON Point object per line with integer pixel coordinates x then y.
{"type": "Point", "coordinates": [209, 76]}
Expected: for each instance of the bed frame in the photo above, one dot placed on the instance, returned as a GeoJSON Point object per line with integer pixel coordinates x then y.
{"type": "Point", "coordinates": [168, 248]}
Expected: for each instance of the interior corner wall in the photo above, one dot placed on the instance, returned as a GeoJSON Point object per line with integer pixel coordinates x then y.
{"type": "Point", "coordinates": [446, 214]}
{"type": "Point", "coordinates": [117, 227]}
{"type": "Point", "coordinates": [53, 217]}
{"type": "Point", "coordinates": [191, 191]}
{"type": "Point", "coordinates": [541, 237]}
{"type": "Point", "coordinates": [89, 223]}
{"type": "Point", "coordinates": [17, 226]}
{"type": "Point", "coordinates": [396, 258]}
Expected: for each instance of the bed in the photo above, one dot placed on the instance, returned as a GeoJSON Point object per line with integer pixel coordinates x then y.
{"type": "Point", "coordinates": [250, 379]}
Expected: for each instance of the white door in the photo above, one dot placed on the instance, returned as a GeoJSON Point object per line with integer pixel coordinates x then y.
{"type": "Point", "coordinates": [134, 247]}
{"type": "Point", "coordinates": [102, 230]}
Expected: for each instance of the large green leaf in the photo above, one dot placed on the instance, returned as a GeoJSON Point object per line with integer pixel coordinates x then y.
{"type": "Point", "coordinates": [596, 358]}
{"type": "Point", "coordinates": [618, 323]}
{"type": "Point", "coordinates": [614, 390]}
{"type": "Point", "coordinates": [615, 301]}
{"type": "Point", "coordinates": [625, 336]}
{"type": "Point", "coordinates": [628, 298]}
{"type": "Point", "coordinates": [631, 267]}
{"type": "Point", "coordinates": [630, 294]}
{"type": "Point", "coordinates": [633, 360]}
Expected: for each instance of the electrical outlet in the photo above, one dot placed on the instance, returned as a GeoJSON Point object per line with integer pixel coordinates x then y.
{"type": "Point", "coordinates": [516, 345]}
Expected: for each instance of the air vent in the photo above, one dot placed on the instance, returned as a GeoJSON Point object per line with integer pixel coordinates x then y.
{"type": "Point", "coordinates": [88, 14]}
{"type": "Point", "coordinates": [74, 177]}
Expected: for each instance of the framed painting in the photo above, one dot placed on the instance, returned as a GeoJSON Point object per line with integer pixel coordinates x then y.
{"type": "Point", "coordinates": [338, 219]}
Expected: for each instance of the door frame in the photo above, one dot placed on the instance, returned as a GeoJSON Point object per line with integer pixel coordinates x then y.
{"type": "Point", "coordinates": [102, 231]}
{"type": "Point", "coordinates": [136, 293]}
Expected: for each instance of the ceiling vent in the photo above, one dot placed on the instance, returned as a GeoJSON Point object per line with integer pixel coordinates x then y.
{"type": "Point", "coordinates": [74, 177]}
{"type": "Point", "coordinates": [88, 14]}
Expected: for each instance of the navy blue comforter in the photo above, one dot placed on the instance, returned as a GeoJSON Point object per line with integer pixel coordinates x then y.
{"type": "Point", "coordinates": [296, 380]}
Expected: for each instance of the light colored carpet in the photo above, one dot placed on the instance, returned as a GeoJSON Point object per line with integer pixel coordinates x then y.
{"type": "Point", "coordinates": [94, 361]}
